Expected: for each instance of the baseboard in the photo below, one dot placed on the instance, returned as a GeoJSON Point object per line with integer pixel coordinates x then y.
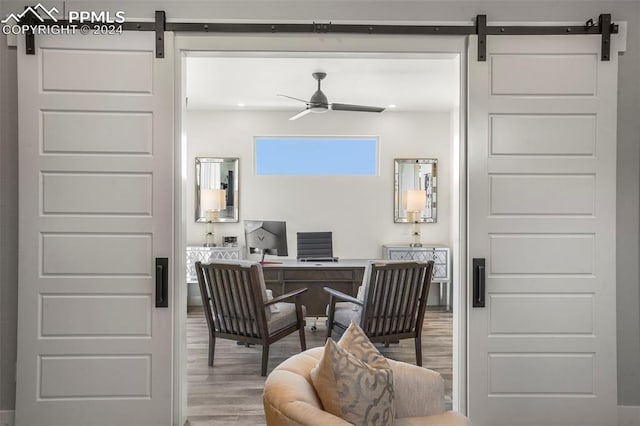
{"type": "Point", "coordinates": [7, 418]}
{"type": "Point", "coordinates": [628, 415]}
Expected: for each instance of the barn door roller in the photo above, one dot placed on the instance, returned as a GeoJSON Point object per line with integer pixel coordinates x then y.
{"type": "Point", "coordinates": [604, 27]}
{"type": "Point", "coordinates": [161, 24]}
{"type": "Point", "coordinates": [481, 31]}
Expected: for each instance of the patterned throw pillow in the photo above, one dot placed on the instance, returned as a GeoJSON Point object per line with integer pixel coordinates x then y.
{"type": "Point", "coordinates": [352, 389]}
{"type": "Point", "coordinates": [356, 342]}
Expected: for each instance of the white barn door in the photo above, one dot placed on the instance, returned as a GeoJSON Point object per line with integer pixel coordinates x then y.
{"type": "Point", "coordinates": [96, 179]}
{"type": "Point", "coordinates": [542, 204]}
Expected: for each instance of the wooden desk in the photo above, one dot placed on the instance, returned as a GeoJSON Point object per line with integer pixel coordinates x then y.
{"type": "Point", "coordinates": [345, 276]}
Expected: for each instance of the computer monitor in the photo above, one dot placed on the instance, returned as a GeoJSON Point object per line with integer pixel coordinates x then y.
{"type": "Point", "coordinates": [266, 237]}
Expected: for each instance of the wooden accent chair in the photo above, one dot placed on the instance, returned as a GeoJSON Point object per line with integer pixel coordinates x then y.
{"type": "Point", "coordinates": [393, 305]}
{"type": "Point", "coordinates": [236, 307]}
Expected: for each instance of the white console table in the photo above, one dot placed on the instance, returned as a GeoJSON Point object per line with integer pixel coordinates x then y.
{"type": "Point", "coordinates": [441, 269]}
{"type": "Point", "coordinates": [205, 255]}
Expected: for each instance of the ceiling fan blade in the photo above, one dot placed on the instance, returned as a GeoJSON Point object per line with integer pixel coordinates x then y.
{"type": "Point", "coordinates": [361, 108]}
{"type": "Point", "coordinates": [291, 97]}
{"type": "Point", "coordinates": [300, 114]}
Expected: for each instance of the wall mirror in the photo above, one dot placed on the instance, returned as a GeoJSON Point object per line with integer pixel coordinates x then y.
{"type": "Point", "coordinates": [217, 190]}
{"type": "Point", "coordinates": [416, 182]}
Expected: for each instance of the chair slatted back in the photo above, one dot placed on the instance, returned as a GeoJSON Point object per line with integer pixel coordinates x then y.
{"type": "Point", "coordinates": [232, 299]}
{"type": "Point", "coordinates": [396, 299]}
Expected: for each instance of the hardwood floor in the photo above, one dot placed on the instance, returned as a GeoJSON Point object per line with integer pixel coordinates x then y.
{"type": "Point", "coordinates": [230, 392]}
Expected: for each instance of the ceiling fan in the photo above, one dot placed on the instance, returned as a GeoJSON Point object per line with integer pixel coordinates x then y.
{"type": "Point", "coordinates": [319, 102]}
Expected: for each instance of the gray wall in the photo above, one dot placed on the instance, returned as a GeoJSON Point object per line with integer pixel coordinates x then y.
{"type": "Point", "coordinates": [628, 297]}
{"type": "Point", "coordinates": [628, 310]}
{"type": "Point", "coordinates": [8, 223]}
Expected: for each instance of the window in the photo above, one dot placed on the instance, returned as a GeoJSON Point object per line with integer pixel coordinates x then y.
{"type": "Point", "coordinates": [328, 156]}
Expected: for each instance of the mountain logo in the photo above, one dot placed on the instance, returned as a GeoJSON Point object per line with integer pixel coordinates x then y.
{"type": "Point", "coordinates": [39, 12]}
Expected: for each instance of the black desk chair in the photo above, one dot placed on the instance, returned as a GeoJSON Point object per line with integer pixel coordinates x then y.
{"type": "Point", "coordinates": [315, 246]}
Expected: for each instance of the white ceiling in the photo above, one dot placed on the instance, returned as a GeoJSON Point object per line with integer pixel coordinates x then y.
{"type": "Point", "coordinates": [412, 83]}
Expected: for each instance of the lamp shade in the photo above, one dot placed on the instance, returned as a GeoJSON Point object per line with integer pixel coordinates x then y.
{"type": "Point", "coordinates": [415, 200]}
{"type": "Point", "coordinates": [213, 199]}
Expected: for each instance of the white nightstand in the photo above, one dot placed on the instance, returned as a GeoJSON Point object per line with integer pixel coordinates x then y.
{"type": "Point", "coordinates": [206, 254]}
{"type": "Point", "coordinates": [441, 269]}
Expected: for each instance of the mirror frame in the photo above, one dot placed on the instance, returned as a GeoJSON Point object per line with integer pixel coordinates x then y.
{"type": "Point", "coordinates": [397, 218]}
{"type": "Point", "coordinates": [236, 208]}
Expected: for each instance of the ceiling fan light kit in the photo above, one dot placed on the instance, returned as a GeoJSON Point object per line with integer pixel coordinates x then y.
{"type": "Point", "coordinates": [320, 104]}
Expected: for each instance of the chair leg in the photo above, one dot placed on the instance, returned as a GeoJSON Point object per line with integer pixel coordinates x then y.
{"type": "Point", "coordinates": [419, 350]}
{"type": "Point", "coordinates": [212, 348]}
{"type": "Point", "coordinates": [265, 359]}
{"type": "Point", "coordinates": [332, 308]}
{"type": "Point", "coordinates": [303, 341]}
{"type": "Point", "coordinates": [329, 327]}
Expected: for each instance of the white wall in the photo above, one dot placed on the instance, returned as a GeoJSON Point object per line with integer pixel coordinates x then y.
{"type": "Point", "coordinates": [357, 209]}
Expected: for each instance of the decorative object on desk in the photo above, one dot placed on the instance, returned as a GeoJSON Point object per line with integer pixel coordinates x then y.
{"type": "Point", "coordinates": [414, 201]}
{"type": "Point", "coordinates": [213, 200]}
{"type": "Point", "coordinates": [230, 241]}
{"type": "Point", "coordinates": [217, 174]}
{"type": "Point", "coordinates": [415, 174]}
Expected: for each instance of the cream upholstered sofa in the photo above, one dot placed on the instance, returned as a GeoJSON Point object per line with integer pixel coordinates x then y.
{"type": "Point", "coordinates": [290, 399]}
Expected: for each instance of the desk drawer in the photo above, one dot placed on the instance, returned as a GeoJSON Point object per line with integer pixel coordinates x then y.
{"type": "Point", "coordinates": [272, 275]}
{"type": "Point", "coordinates": [317, 275]}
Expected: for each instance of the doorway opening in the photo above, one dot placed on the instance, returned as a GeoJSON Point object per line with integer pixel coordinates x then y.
{"type": "Point", "coordinates": [228, 96]}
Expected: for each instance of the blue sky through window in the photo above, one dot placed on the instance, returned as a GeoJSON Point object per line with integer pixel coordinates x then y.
{"type": "Point", "coordinates": [316, 156]}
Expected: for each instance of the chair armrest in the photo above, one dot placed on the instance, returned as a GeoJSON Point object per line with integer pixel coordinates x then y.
{"type": "Point", "coordinates": [285, 296]}
{"type": "Point", "coordinates": [418, 391]}
{"type": "Point", "coordinates": [340, 295]}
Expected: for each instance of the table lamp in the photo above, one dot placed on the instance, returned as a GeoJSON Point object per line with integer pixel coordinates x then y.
{"type": "Point", "coordinates": [212, 201]}
{"type": "Point", "coordinates": [415, 201]}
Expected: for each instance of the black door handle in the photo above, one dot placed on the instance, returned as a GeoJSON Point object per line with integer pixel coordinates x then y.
{"type": "Point", "coordinates": [478, 283]}
{"type": "Point", "coordinates": [162, 282]}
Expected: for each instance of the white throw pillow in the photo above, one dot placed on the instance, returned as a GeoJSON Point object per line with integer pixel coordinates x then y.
{"type": "Point", "coordinates": [272, 308]}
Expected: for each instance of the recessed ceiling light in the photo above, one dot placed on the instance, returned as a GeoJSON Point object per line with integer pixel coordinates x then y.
{"type": "Point", "coordinates": [392, 106]}
{"type": "Point", "coordinates": [240, 104]}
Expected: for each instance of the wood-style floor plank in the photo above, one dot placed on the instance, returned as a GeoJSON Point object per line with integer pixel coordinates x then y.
{"type": "Point", "coordinates": [230, 392]}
